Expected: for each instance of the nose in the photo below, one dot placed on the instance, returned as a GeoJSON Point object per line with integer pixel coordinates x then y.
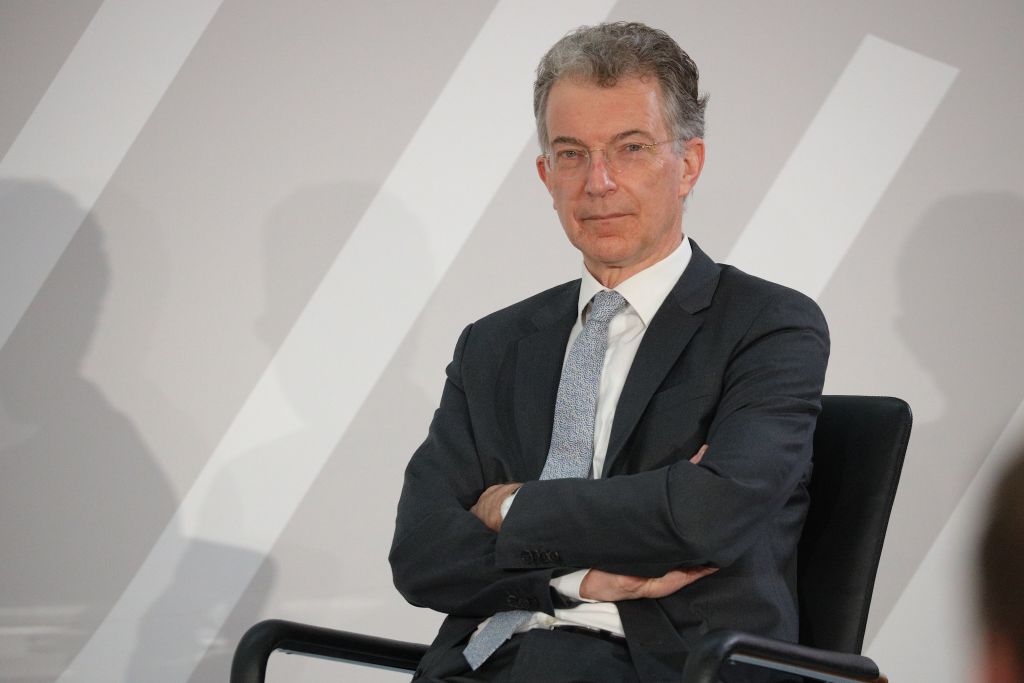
{"type": "Point", "coordinates": [599, 179]}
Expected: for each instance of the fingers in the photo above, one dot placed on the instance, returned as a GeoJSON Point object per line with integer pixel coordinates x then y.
{"type": "Point", "coordinates": [607, 587]}
{"type": "Point", "coordinates": [676, 580]}
{"type": "Point", "coordinates": [684, 577]}
{"type": "Point", "coordinates": [699, 455]}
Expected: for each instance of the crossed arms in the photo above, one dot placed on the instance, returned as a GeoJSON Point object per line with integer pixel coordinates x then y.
{"type": "Point", "coordinates": [599, 585]}
{"type": "Point", "coordinates": [644, 534]}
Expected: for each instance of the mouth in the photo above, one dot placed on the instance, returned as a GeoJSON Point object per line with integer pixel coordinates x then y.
{"type": "Point", "coordinates": [604, 216]}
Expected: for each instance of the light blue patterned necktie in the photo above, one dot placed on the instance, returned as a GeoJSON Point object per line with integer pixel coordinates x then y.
{"type": "Point", "coordinates": [572, 442]}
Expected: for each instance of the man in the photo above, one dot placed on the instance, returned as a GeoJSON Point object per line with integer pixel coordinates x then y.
{"type": "Point", "coordinates": [619, 463]}
{"type": "Point", "coordinates": [1001, 564]}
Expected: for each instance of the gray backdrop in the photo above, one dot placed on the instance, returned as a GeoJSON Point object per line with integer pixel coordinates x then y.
{"type": "Point", "coordinates": [238, 241]}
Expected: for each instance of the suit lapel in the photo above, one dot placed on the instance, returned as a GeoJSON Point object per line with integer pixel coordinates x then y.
{"type": "Point", "coordinates": [670, 331]}
{"type": "Point", "coordinates": [539, 357]}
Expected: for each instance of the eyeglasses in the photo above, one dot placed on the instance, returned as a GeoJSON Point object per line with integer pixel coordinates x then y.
{"type": "Point", "coordinates": [621, 157]}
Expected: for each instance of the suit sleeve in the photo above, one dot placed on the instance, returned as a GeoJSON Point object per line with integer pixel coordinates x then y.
{"type": "Point", "coordinates": [442, 556]}
{"type": "Point", "coordinates": [760, 438]}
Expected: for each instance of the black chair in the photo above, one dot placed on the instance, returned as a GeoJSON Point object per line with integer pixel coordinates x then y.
{"type": "Point", "coordinates": [859, 446]}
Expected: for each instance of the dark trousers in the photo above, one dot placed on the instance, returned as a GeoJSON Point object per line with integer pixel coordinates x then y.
{"type": "Point", "coordinates": [541, 656]}
{"type": "Point", "coordinates": [549, 656]}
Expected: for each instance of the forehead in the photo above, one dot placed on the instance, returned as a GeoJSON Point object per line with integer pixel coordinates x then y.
{"type": "Point", "coordinates": [591, 113]}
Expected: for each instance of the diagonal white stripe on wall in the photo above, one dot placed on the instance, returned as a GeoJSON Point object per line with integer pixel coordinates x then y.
{"type": "Point", "coordinates": [842, 165]}
{"type": "Point", "coordinates": [926, 637]}
{"type": "Point", "coordinates": [84, 125]}
{"type": "Point", "coordinates": [271, 456]}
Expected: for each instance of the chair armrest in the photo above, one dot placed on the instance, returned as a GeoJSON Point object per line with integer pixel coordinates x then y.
{"type": "Point", "coordinates": [255, 647]}
{"type": "Point", "coordinates": [715, 647]}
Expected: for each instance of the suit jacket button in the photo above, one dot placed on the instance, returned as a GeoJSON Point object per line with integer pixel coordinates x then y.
{"type": "Point", "coordinates": [555, 556]}
{"type": "Point", "coordinates": [544, 557]}
{"type": "Point", "coordinates": [511, 600]}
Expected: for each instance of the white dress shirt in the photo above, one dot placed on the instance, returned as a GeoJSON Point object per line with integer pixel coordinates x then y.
{"type": "Point", "coordinates": [644, 293]}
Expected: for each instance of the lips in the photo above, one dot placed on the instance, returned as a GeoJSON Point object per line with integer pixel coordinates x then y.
{"type": "Point", "coordinates": [603, 216]}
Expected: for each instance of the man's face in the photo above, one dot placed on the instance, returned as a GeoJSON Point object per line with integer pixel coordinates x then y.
{"type": "Point", "coordinates": [621, 220]}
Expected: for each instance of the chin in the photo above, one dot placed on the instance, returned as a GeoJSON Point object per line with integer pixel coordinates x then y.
{"type": "Point", "coordinates": [614, 248]}
{"type": "Point", "coordinates": [609, 259]}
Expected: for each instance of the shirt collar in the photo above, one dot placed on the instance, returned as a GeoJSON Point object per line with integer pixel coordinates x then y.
{"type": "Point", "coordinates": [646, 290]}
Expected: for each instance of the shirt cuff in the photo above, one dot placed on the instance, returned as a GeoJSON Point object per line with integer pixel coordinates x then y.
{"type": "Point", "coordinates": [569, 585]}
{"type": "Point", "coordinates": [507, 503]}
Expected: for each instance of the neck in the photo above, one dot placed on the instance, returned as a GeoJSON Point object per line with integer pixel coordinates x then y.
{"type": "Point", "coordinates": [611, 275]}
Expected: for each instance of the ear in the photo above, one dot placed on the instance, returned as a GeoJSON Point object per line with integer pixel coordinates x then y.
{"type": "Point", "coordinates": [693, 164]}
{"type": "Point", "coordinates": [542, 171]}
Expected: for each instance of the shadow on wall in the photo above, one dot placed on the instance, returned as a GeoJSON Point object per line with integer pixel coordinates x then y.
{"type": "Point", "coordinates": [180, 629]}
{"type": "Point", "coordinates": [81, 499]}
{"type": "Point", "coordinates": [962, 300]}
{"type": "Point", "coordinates": [303, 236]}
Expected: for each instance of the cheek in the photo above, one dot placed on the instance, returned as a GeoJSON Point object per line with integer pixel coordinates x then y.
{"type": "Point", "coordinates": [561, 198]}
{"type": "Point", "coordinates": [573, 231]}
{"type": "Point", "coordinates": [565, 209]}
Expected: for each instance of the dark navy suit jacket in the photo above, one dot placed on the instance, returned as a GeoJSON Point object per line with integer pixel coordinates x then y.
{"type": "Point", "coordinates": [729, 360]}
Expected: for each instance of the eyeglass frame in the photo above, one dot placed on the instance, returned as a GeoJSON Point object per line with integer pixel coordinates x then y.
{"type": "Point", "coordinates": [550, 164]}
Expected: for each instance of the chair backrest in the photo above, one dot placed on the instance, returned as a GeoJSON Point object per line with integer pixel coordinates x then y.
{"type": "Point", "coordinates": [859, 446]}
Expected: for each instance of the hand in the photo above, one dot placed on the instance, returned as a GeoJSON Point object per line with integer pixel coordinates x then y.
{"type": "Point", "coordinates": [488, 506]}
{"type": "Point", "coordinates": [607, 587]}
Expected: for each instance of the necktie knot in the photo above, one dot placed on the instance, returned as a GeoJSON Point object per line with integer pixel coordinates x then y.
{"type": "Point", "coordinates": [605, 305]}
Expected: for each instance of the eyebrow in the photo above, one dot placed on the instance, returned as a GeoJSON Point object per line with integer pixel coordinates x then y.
{"type": "Point", "coordinates": [569, 140]}
{"type": "Point", "coordinates": [631, 133]}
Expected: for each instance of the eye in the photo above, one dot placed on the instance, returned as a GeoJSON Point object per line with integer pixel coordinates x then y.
{"type": "Point", "coordinates": [569, 154]}
{"type": "Point", "coordinates": [633, 148]}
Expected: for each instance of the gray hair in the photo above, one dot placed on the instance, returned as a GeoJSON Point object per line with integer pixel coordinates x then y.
{"type": "Point", "coordinates": [605, 53]}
